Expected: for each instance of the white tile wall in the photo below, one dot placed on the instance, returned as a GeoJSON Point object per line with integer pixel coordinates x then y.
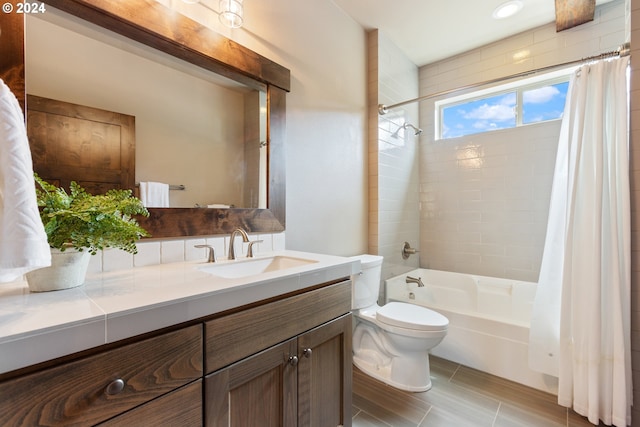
{"type": "Point", "coordinates": [172, 251]}
{"type": "Point", "coordinates": [154, 252]}
{"type": "Point", "coordinates": [148, 254]}
{"type": "Point", "coordinates": [115, 259]}
{"type": "Point", "coordinates": [393, 160]}
{"type": "Point", "coordinates": [191, 253]}
{"type": "Point", "coordinates": [484, 198]}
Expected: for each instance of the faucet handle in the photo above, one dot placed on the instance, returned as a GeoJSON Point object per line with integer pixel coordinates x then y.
{"type": "Point", "coordinates": [407, 250]}
{"type": "Point", "coordinates": [250, 250]}
{"type": "Point", "coordinates": [211, 257]}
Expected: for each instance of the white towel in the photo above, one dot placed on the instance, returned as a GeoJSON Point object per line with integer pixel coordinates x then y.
{"type": "Point", "coordinates": [154, 194]}
{"type": "Point", "coordinates": [23, 242]}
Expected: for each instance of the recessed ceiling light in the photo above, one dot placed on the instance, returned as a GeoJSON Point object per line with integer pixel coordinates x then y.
{"type": "Point", "coordinates": [507, 9]}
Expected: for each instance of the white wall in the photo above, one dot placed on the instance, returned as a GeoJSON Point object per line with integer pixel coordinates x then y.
{"type": "Point", "coordinates": [326, 112]}
{"type": "Point", "coordinates": [326, 115]}
{"type": "Point", "coordinates": [484, 198]}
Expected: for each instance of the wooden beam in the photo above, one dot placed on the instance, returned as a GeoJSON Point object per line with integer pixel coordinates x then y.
{"type": "Point", "coordinates": [571, 13]}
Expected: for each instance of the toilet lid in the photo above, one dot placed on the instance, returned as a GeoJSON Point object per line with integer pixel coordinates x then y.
{"type": "Point", "coordinates": [411, 316]}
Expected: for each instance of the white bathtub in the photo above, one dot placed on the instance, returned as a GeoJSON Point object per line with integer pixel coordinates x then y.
{"type": "Point", "coordinates": [488, 321]}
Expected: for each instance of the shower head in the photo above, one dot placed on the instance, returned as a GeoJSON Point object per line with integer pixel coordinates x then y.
{"type": "Point", "coordinates": [416, 131]}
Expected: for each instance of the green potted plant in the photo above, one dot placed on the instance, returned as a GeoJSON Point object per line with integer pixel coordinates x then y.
{"type": "Point", "coordinates": [79, 224]}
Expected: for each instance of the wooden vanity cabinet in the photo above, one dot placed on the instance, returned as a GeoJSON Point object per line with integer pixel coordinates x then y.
{"type": "Point", "coordinates": [94, 389]}
{"type": "Point", "coordinates": [284, 362]}
{"type": "Point", "coordinates": [296, 363]}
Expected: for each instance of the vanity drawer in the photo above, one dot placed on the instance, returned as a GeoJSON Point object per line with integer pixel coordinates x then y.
{"type": "Point", "coordinates": [238, 335]}
{"type": "Point", "coordinates": [88, 390]}
{"type": "Point", "coordinates": [182, 407]}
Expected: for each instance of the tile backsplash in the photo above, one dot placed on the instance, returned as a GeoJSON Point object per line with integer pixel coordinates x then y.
{"type": "Point", "coordinates": [153, 252]}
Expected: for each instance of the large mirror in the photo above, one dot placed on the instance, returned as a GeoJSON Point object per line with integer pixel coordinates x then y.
{"type": "Point", "coordinates": [238, 143]}
{"type": "Point", "coordinates": [200, 135]}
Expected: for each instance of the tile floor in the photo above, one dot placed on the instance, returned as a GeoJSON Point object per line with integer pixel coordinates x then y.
{"type": "Point", "coordinates": [460, 397]}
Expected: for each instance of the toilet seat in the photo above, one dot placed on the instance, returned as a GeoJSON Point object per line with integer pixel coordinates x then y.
{"type": "Point", "coordinates": [412, 317]}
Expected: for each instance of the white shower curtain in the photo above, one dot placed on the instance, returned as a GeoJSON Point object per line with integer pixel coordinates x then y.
{"type": "Point", "coordinates": [580, 327]}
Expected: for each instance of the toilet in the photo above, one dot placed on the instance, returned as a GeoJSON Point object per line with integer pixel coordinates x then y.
{"type": "Point", "coordinates": [391, 343]}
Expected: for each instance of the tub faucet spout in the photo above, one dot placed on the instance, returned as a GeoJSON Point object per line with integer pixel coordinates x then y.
{"type": "Point", "coordinates": [418, 280]}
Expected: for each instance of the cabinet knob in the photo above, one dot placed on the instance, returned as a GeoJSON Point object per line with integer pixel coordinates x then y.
{"type": "Point", "coordinates": [307, 352]}
{"type": "Point", "coordinates": [115, 387]}
{"type": "Point", "coordinates": [293, 360]}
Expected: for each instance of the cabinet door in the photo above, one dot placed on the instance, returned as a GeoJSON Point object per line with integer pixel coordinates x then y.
{"type": "Point", "coordinates": [257, 391]}
{"type": "Point", "coordinates": [70, 142]}
{"type": "Point", "coordinates": [324, 375]}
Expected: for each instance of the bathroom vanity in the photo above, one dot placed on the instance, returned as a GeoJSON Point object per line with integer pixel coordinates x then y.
{"type": "Point", "coordinates": [182, 346]}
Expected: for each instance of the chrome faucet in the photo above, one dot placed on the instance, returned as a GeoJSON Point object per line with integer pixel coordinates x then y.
{"type": "Point", "coordinates": [410, 279]}
{"type": "Point", "coordinates": [245, 239]}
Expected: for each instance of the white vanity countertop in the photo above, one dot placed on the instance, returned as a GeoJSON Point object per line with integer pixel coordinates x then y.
{"type": "Point", "coordinates": [35, 327]}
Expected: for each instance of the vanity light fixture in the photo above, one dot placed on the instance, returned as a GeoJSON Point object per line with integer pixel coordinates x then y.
{"type": "Point", "coordinates": [507, 9]}
{"type": "Point", "coordinates": [231, 13]}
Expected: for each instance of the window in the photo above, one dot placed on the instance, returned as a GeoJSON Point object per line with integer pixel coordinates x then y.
{"type": "Point", "coordinates": [544, 103]}
{"type": "Point", "coordinates": [507, 106]}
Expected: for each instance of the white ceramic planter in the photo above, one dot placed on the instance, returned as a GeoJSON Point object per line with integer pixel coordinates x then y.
{"type": "Point", "coordinates": [68, 270]}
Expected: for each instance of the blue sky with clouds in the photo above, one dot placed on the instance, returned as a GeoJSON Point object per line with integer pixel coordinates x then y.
{"type": "Point", "coordinates": [499, 111]}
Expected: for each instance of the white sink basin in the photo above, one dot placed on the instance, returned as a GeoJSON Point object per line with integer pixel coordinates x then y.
{"type": "Point", "coordinates": [254, 266]}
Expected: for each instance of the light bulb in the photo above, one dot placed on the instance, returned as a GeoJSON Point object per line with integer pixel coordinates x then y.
{"type": "Point", "coordinates": [231, 13]}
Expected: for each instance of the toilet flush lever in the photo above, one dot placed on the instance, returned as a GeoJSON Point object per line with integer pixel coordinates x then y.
{"type": "Point", "coordinates": [407, 250]}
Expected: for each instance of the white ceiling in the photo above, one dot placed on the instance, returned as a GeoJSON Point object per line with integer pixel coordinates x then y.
{"type": "Point", "coordinates": [429, 30]}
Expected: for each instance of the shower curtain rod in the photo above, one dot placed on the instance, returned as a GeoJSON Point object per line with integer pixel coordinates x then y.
{"type": "Point", "coordinates": [623, 50]}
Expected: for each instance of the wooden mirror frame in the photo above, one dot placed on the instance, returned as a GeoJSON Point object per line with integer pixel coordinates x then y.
{"type": "Point", "coordinates": [155, 25]}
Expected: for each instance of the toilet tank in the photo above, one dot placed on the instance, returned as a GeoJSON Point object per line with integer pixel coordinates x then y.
{"type": "Point", "coordinates": [366, 286]}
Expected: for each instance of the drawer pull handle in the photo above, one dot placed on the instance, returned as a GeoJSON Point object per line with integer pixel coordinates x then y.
{"type": "Point", "coordinates": [293, 360]}
{"type": "Point", "coordinates": [307, 352]}
{"type": "Point", "coordinates": [115, 387]}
